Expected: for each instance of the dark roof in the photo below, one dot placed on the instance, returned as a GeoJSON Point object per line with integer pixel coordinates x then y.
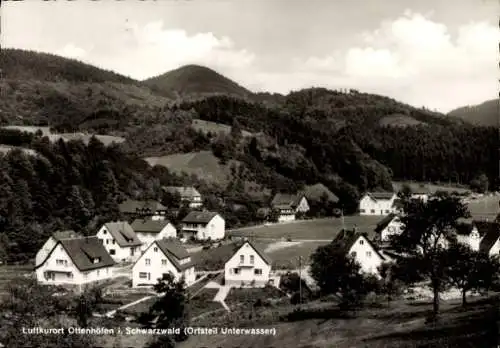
{"type": "Point", "coordinates": [199, 217]}
{"type": "Point", "coordinates": [345, 239]}
{"type": "Point", "coordinates": [183, 191]}
{"type": "Point", "coordinates": [259, 249]}
{"type": "Point", "coordinates": [148, 225]}
{"type": "Point", "coordinates": [66, 234]}
{"type": "Point", "coordinates": [381, 195]}
{"type": "Point", "coordinates": [285, 200]}
{"type": "Point", "coordinates": [464, 228]}
{"type": "Point", "coordinates": [382, 224]}
{"type": "Point", "coordinates": [132, 206]}
{"type": "Point", "coordinates": [123, 233]}
{"type": "Point", "coordinates": [83, 252]}
{"type": "Point", "coordinates": [492, 234]}
{"type": "Point", "coordinates": [175, 251]}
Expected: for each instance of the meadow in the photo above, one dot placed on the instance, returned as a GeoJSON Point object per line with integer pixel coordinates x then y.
{"type": "Point", "coordinates": [486, 207]}
{"type": "Point", "coordinates": [8, 274]}
{"type": "Point", "coordinates": [316, 229]}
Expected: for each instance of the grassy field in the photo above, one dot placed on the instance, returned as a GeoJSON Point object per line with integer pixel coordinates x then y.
{"type": "Point", "coordinates": [8, 274]}
{"type": "Point", "coordinates": [317, 229]}
{"type": "Point", "coordinates": [203, 302]}
{"type": "Point", "coordinates": [246, 297]}
{"type": "Point", "coordinates": [485, 207]}
{"type": "Point", "coordinates": [432, 187]}
{"type": "Point", "coordinates": [214, 128]}
{"type": "Point", "coordinates": [288, 258]}
{"type": "Point", "coordinates": [323, 326]}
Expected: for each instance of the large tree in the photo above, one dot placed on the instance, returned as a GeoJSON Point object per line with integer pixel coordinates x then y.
{"type": "Point", "coordinates": [428, 228]}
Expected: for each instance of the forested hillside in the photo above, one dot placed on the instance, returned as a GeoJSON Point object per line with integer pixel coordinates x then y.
{"type": "Point", "coordinates": [345, 139]}
{"type": "Point", "coordinates": [484, 114]}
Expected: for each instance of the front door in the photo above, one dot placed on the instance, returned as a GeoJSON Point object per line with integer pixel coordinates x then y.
{"type": "Point", "coordinates": [131, 251]}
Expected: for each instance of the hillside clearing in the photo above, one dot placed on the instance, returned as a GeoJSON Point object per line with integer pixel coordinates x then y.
{"type": "Point", "coordinates": [215, 128]}
{"type": "Point", "coordinates": [431, 187]}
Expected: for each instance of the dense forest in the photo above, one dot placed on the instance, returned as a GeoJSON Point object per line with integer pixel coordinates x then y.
{"type": "Point", "coordinates": [347, 140]}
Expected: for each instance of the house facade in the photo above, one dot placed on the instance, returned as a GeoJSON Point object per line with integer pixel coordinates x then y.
{"type": "Point", "coordinates": [490, 242]}
{"type": "Point", "coordinates": [389, 226]}
{"type": "Point", "coordinates": [120, 241]}
{"type": "Point", "coordinates": [203, 225]}
{"type": "Point", "coordinates": [189, 195]}
{"type": "Point", "coordinates": [249, 266]}
{"type": "Point", "coordinates": [468, 234]}
{"type": "Point", "coordinates": [288, 206]}
{"type": "Point", "coordinates": [163, 257]}
{"type": "Point", "coordinates": [77, 262]}
{"type": "Point", "coordinates": [377, 203]}
{"type": "Point", "coordinates": [49, 244]}
{"type": "Point", "coordinates": [150, 230]}
{"type": "Point", "coordinates": [133, 209]}
{"type": "Point", "coordinates": [358, 246]}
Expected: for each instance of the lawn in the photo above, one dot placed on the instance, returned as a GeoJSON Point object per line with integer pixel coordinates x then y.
{"type": "Point", "coordinates": [432, 187]}
{"type": "Point", "coordinates": [8, 274]}
{"type": "Point", "coordinates": [141, 307]}
{"type": "Point", "coordinates": [247, 297]}
{"type": "Point", "coordinates": [484, 207]}
{"type": "Point", "coordinates": [203, 303]}
{"type": "Point", "coordinates": [316, 229]}
{"type": "Point", "coordinates": [400, 325]}
{"type": "Point", "coordinates": [288, 258]}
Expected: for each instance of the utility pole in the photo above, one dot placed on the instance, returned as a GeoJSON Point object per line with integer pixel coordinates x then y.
{"type": "Point", "coordinates": [300, 279]}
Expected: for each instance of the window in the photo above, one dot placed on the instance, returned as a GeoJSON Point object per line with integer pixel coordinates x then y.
{"type": "Point", "coordinates": [353, 254]}
{"type": "Point", "coordinates": [361, 242]}
{"type": "Point", "coordinates": [112, 252]}
{"type": "Point", "coordinates": [363, 210]}
{"type": "Point", "coordinates": [372, 211]}
{"type": "Point", "coordinates": [98, 273]}
{"type": "Point", "coordinates": [143, 275]}
{"type": "Point", "coordinates": [252, 259]}
{"type": "Point", "coordinates": [236, 271]}
{"type": "Point", "coordinates": [104, 232]}
{"type": "Point", "coordinates": [107, 241]}
{"type": "Point", "coordinates": [369, 253]}
{"type": "Point", "coordinates": [155, 249]}
{"type": "Point", "coordinates": [62, 262]}
{"type": "Point", "coordinates": [97, 260]}
{"type": "Point", "coordinates": [148, 262]}
{"type": "Point", "coordinates": [113, 241]}
{"type": "Point", "coordinates": [70, 275]}
{"type": "Point", "coordinates": [387, 211]}
{"type": "Point", "coordinates": [163, 262]}
{"type": "Point", "coordinates": [257, 271]}
{"type": "Point", "coordinates": [242, 258]}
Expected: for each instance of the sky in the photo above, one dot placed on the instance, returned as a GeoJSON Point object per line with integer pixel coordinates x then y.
{"type": "Point", "coordinates": [440, 54]}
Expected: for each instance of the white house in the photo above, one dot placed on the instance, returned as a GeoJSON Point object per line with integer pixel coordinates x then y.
{"type": "Point", "coordinates": [75, 261]}
{"type": "Point", "coordinates": [468, 234]}
{"type": "Point", "coordinates": [249, 266]}
{"type": "Point", "coordinates": [490, 242]}
{"type": "Point", "coordinates": [120, 241]}
{"type": "Point", "coordinates": [361, 248]}
{"type": "Point", "coordinates": [289, 205]}
{"type": "Point", "coordinates": [161, 257]}
{"type": "Point", "coordinates": [49, 244]}
{"type": "Point", "coordinates": [377, 203]}
{"type": "Point", "coordinates": [421, 192]}
{"type": "Point", "coordinates": [188, 194]}
{"type": "Point", "coordinates": [203, 225]}
{"type": "Point", "coordinates": [150, 230]}
{"type": "Point", "coordinates": [390, 225]}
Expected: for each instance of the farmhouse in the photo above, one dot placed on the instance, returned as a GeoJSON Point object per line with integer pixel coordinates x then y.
{"type": "Point", "coordinates": [76, 261]}
{"type": "Point", "coordinates": [188, 195]}
{"type": "Point", "coordinates": [377, 203]}
{"type": "Point", "coordinates": [422, 192]}
{"type": "Point", "coordinates": [490, 243]}
{"type": "Point", "coordinates": [47, 247]}
{"type": "Point", "coordinates": [289, 205]}
{"type": "Point", "coordinates": [469, 234]}
{"type": "Point", "coordinates": [389, 226]}
{"type": "Point", "coordinates": [203, 225]}
{"type": "Point", "coordinates": [141, 209]}
{"type": "Point", "coordinates": [248, 266]}
{"type": "Point", "coordinates": [361, 248]}
{"type": "Point", "coordinates": [120, 241]}
{"type": "Point", "coordinates": [161, 257]}
{"type": "Point", "coordinates": [150, 230]}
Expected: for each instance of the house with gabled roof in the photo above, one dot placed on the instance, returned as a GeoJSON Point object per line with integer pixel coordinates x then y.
{"type": "Point", "coordinates": [49, 244]}
{"type": "Point", "coordinates": [288, 205]}
{"type": "Point", "coordinates": [490, 242]}
{"type": "Point", "coordinates": [422, 192]}
{"type": "Point", "coordinates": [203, 225]}
{"type": "Point", "coordinates": [150, 230]}
{"type": "Point", "coordinates": [377, 203]}
{"type": "Point", "coordinates": [120, 240]}
{"type": "Point", "coordinates": [75, 261]}
{"type": "Point", "coordinates": [161, 257]}
{"type": "Point", "coordinates": [249, 266]}
{"type": "Point", "coordinates": [188, 194]}
{"type": "Point", "coordinates": [358, 246]}
{"type": "Point", "coordinates": [151, 209]}
{"type": "Point", "coordinates": [389, 226]}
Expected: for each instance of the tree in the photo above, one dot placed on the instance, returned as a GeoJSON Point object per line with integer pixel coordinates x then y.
{"type": "Point", "coordinates": [470, 270]}
{"type": "Point", "coordinates": [337, 273]}
{"type": "Point", "coordinates": [391, 285]}
{"type": "Point", "coordinates": [428, 228]}
{"type": "Point", "coordinates": [85, 305]}
{"type": "Point", "coordinates": [171, 307]}
{"type": "Point", "coordinates": [480, 183]}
